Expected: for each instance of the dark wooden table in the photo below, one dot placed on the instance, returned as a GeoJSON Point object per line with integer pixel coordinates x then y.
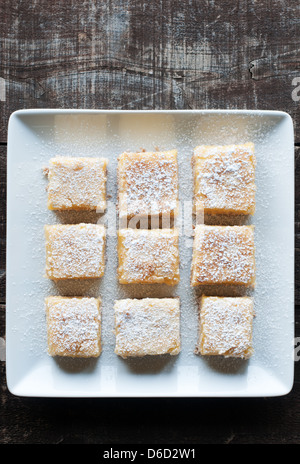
{"type": "Point", "coordinates": [171, 54]}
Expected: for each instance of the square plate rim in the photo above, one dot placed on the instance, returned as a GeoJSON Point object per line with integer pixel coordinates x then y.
{"type": "Point", "coordinates": [286, 388]}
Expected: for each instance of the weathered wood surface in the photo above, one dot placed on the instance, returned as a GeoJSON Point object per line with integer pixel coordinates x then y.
{"type": "Point", "coordinates": [150, 54]}
{"type": "Point", "coordinates": [170, 54]}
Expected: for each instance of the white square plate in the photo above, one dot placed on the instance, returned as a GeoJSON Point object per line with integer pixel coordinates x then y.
{"type": "Point", "coordinates": [34, 136]}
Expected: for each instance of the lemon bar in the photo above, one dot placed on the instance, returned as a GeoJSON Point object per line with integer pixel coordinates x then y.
{"type": "Point", "coordinates": [224, 179]}
{"type": "Point", "coordinates": [225, 327]}
{"type": "Point", "coordinates": [149, 326]}
{"type": "Point", "coordinates": [148, 256]}
{"type": "Point", "coordinates": [75, 251]}
{"type": "Point", "coordinates": [223, 255]}
{"type": "Point", "coordinates": [73, 326]}
{"type": "Point", "coordinates": [148, 184]}
{"type": "Point", "coordinates": [77, 183]}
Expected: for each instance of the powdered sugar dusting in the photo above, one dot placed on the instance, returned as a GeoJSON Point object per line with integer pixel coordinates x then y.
{"type": "Point", "coordinates": [148, 183]}
{"type": "Point", "coordinates": [73, 326]}
{"type": "Point", "coordinates": [147, 327]}
{"type": "Point", "coordinates": [75, 251]}
{"type": "Point", "coordinates": [225, 178]}
{"type": "Point", "coordinates": [77, 183]}
{"type": "Point", "coordinates": [224, 255]}
{"type": "Point", "coordinates": [226, 327]}
{"type": "Point", "coordinates": [148, 256]}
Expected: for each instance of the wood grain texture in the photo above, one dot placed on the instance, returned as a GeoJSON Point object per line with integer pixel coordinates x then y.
{"type": "Point", "coordinates": [2, 223]}
{"type": "Point", "coordinates": [154, 421]}
{"type": "Point", "coordinates": [170, 54]}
